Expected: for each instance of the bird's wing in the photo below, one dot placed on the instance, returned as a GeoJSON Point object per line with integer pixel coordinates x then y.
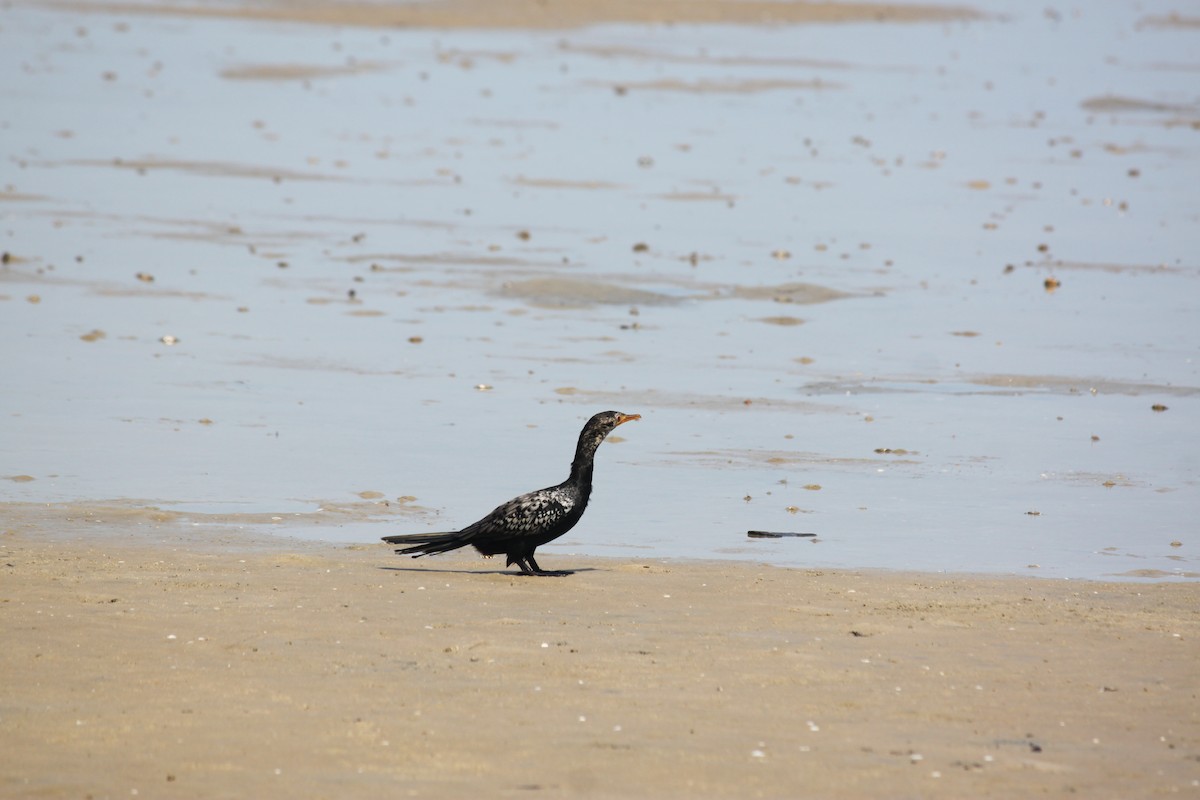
{"type": "Point", "coordinates": [530, 513]}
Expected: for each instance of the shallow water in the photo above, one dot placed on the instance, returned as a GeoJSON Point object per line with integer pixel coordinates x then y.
{"type": "Point", "coordinates": [336, 282]}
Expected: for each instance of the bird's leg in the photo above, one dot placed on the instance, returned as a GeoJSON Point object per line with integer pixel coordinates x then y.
{"type": "Point", "coordinates": [529, 566]}
{"type": "Point", "coordinates": [539, 571]}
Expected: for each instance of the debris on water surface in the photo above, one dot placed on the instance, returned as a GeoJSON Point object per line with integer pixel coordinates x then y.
{"type": "Point", "coordinates": [779, 535]}
{"type": "Point", "coordinates": [169, 340]}
{"type": "Point", "coordinates": [783, 321]}
{"type": "Point", "coordinates": [1158, 407]}
{"type": "Point", "coordinates": [1051, 284]}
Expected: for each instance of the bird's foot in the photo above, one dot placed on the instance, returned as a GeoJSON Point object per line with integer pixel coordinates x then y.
{"type": "Point", "coordinates": [530, 567]}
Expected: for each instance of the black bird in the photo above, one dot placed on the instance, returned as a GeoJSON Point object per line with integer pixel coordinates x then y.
{"type": "Point", "coordinates": [524, 523]}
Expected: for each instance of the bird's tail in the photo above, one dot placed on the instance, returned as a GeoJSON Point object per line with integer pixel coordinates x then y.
{"type": "Point", "coordinates": [427, 544]}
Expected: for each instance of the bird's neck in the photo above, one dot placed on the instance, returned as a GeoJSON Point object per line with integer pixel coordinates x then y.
{"type": "Point", "coordinates": [581, 467]}
{"type": "Point", "coordinates": [581, 473]}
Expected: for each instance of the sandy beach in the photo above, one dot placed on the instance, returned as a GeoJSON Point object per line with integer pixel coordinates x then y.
{"type": "Point", "coordinates": [163, 669]}
{"type": "Point", "coordinates": [917, 281]}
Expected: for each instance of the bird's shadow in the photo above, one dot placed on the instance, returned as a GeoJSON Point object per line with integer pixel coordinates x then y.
{"type": "Point", "coordinates": [444, 571]}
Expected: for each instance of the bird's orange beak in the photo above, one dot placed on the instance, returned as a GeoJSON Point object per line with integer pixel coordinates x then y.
{"type": "Point", "coordinates": [621, 420]}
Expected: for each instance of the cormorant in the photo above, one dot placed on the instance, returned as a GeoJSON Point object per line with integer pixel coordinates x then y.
{"type": "Point", "coordinates": [523, 524]}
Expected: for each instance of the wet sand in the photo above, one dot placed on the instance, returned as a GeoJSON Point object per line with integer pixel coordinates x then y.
{"type": "Point", "coordinates": [533, 15]}
{"type": "Point", "coordinates": [255, 668]}
{"type": "Point", "coordinates": [918, 279]}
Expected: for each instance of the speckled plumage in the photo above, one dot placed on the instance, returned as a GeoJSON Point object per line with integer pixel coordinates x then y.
{"type": "Point", "coordinates": [523, 524]}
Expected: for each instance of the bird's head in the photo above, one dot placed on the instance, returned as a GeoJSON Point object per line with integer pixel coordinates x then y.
{"type": "Point", "coordinates": [600, 426]}
{"type": "Point", "coordinates": [593, 433]}
{"type": "Point", "coordinates": [607, 420]}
